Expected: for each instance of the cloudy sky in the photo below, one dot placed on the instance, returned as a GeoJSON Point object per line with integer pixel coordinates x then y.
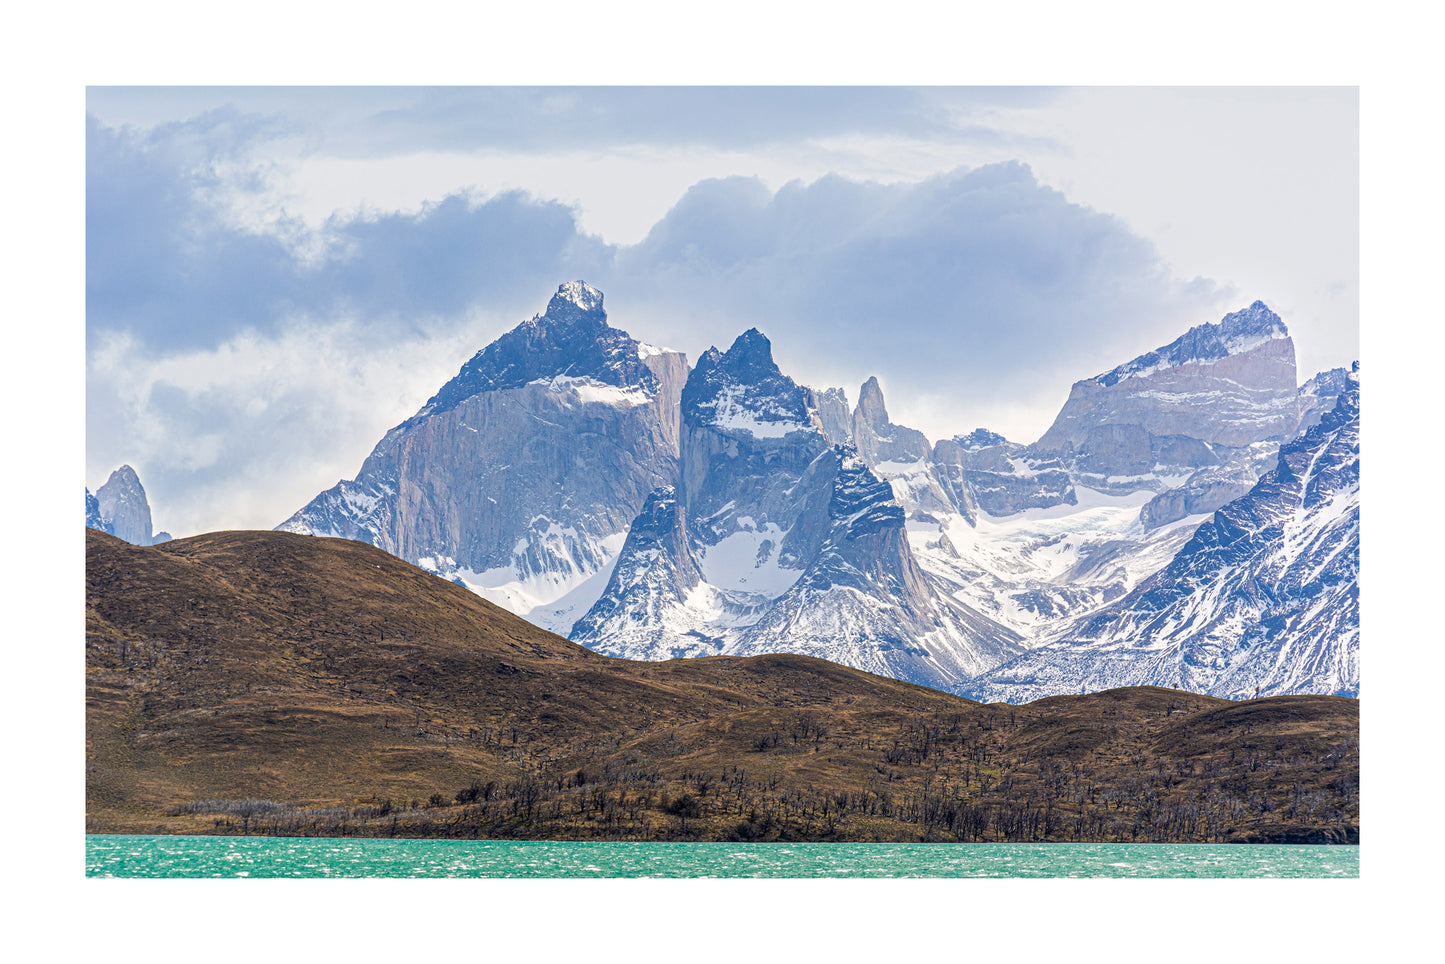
{"type": "Point", "coordinates": [276, 276]}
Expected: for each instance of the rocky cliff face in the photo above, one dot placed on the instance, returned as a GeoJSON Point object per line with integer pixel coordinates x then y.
{"type": "Point", "coordinates": [1263, 599]}
{"type": "Point", "coordinates": [832, 407]}
{"type": "Point", "coordinates": [520, 477]}
{"type": "Point", "coordinates": [1195, 421]}
{"type": "Point", "coordinates": [121, 508]}
{"type": "Point", "coordinates": [792, 545]}
{"type": "Point", "coordinates": [752, 498]}
{"type": "Point", "coordinates": [1190, 404]}
{"type": "Point", "coordinates": [864, 601]}
{"type": "Point", "coordinates": [748, 438]}
{"type": "Point", "coordinates": [1318, 395]}
{"type": "Point", "coordinates": [986, 470]}
{"type": "Point", "coordinates": [1210, 487]}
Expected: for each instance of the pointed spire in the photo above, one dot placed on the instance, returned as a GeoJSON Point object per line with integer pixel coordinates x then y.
{"type": "Point", "coordinates": [871, 409]}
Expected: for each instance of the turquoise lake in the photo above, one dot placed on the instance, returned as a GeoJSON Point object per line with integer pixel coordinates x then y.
{"type": "Point", "coordinates": [114, 855]}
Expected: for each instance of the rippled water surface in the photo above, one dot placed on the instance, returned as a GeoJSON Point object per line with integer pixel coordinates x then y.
{"type": "Point", "coordinates": [113, 855]}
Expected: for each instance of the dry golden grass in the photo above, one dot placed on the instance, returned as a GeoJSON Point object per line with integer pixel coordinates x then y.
{"type": "Point", "coordinates": [357, 694]}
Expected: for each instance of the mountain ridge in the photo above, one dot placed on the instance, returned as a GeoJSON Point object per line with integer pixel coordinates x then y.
{"type": "Point", "coordinates": [1278, 568]}
{"type": "Point", "coordinates": [649, 509]}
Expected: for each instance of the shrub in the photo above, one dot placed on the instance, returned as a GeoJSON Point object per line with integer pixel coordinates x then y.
{"type": "Point", "coordinates": [685, 806]}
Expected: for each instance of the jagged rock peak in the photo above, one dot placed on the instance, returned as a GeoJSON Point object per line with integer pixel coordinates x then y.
{"type": "Point", "coordinates": [877, 438]}
{"type": "Point", "coordinates": [748, 360]}
{"type": "Point", "coordinates": [570, 338]}
{"type": "Point", "coordinates": [860, 497]}
{"type": "Point", "coordinates": [1329, 382]}
{"type": "Point", "coordinates": [123, 506]}
{"type": "Point", "coordinates": [743, 388]}
{"type": "Point", "coordinates": [93, 518]}
{"type": "Point", "coordinates": [578, 294]}
{"type": "Point", "coordinates": [1318, 395]}
{"type": "Point", "coordinates": [575, 296]}
{"type": "Point", "coordinates": [1347, 405]}
{"type": "Point", "coordinates": [1256, 319]}
{"type": "Point", "coordinates": [751, 352]}
{"type": "Point", "coordinates": [124, 476]}
{"type": "Point", "coordinates": [871, 408]}
{"type": "Point", "coordinates": [834, 413]}
{"type": "Point", "coordinates": [1237, 332]}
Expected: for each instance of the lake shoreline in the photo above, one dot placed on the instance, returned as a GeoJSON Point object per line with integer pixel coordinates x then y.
{"type": "Point", "coordinates": [125, 855]}
{"type": "Point", "coordinates": [776, 843]}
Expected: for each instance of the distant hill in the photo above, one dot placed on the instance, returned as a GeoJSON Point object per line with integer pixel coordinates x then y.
{"type": "Point", "coordinates": [282, 683]}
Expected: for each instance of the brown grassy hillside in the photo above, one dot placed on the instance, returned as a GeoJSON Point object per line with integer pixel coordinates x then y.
{"type": "Point", "coordinates": [276, 683]}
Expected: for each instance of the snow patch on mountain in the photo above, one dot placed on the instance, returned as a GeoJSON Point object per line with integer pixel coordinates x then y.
{"type": "Point", "coordinates": [1262, 599]}
{"type": "Point", "coordinates": [590, 391]}
{"type": "Point", "coordinates": [1045, 567]}
{"type": "Point", "coordinates": [747, 560]}
{"type": "Point", "coordinates": [731, 411]}
{"type": "Point", "coordinates": [549, 594]}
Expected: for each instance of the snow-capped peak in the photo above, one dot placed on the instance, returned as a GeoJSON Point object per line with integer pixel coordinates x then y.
{"type": "Point", "coordinates": [575, 294]}
{"type": "Point", "coordinates": [1236, 333]}
{"type": "Point", "coordinates": [743, 389]}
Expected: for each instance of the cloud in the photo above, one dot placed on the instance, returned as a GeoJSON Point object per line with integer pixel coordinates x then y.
{"type": "Point", "coordinates": [168, 263]}
{"type": "Point", "coordinates": [160, 259]}
{"type": "Point", "coordinates": [980, 287]}
{"type": "Point", "coordinates": [240, 372]}
{"type": "Point", "coordinates": [243, 434]}
{"type": "Point", "coordinates": [372, 122]}
{"type": "Point", "coordinates": [523, 118]}
{"type": "Point", "coordinates": [507, 250]}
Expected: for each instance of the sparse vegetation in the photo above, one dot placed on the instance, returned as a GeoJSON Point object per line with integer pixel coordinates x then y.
{"type": "Point", "coordinates": [277, 684]}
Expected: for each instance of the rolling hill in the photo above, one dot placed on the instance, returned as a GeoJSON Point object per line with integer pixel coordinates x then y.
{"type": "Point", "coordinates": [281, 683]}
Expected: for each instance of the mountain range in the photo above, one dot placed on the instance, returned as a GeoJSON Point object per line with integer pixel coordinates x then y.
{"type": "Point", "coordinates": [606, 490]}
